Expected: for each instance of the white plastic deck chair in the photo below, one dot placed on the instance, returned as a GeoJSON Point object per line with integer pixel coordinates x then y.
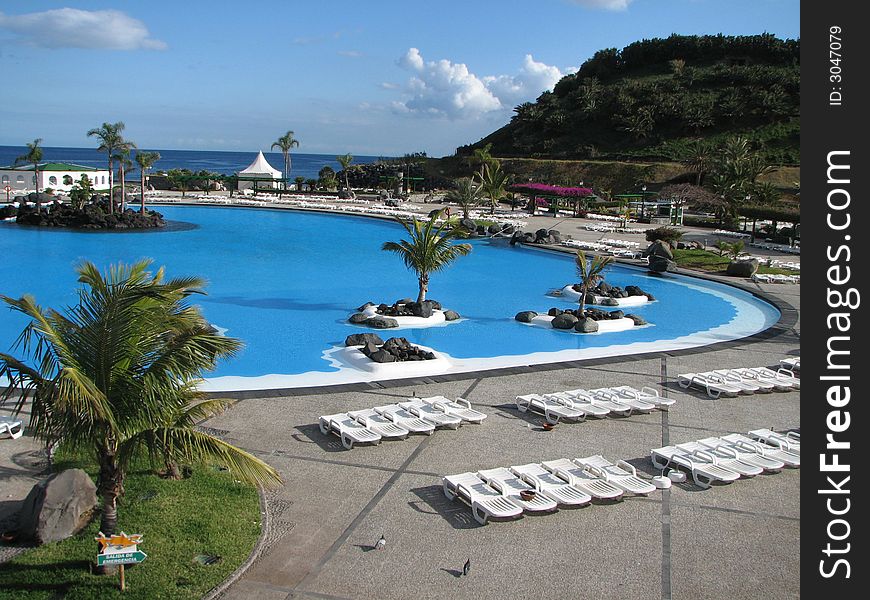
{"type": "Point", "coordinates": [705, 472]}
{"type": "Point", "coordinates": [348, 429]}
{"type": "Point", "coordinates": [621, 474]}
{"type": "Point", "coordinates": [581, 478]}
{"type": "Point", "coordinates": [790, 441]}
{"type": "Point", "coordinates": [714, 388]}
{"type": "Point", "coordinates": [551, 486]}
{"type": "Point", "coordinates": [606, 401]}
{"type": "Point", "coordinates": [579, 399]}
{"type": "Point", "coordinates": [12, 426]}
{"type": "Point", "coordinates": [509, 485]}
{"type": "Point", "coordinates": [460, 408]}
{"type": "Point", "coordinates": [781, 374]}
{"type": "Point", "coordinates": [724, 457]}
{"type": "Point", "coordinates": [552, 411]}
{"type": "Point", "coordinates": [793, 363]}
{"type": "Point", "coordinates": [439, 418]}
{"type": "Point", "coordinates": [485, 502]}
{"type": "Point", "coordinates": [646, 394]}
{"type": "Point", "coordinates": [775, 383]}
{"type": "Point", "coordinates": [747, 453]}
{"type": "Point", "coordinates": [746, 385]}
{"type": "Point", "coordinates": [403, 418]}
{"type": "Point", "coordinates": [790, 459]}
{"type": "Point", "coordinates": [635, 404]}
{"type": "Point", "coordinates": [379, 424]}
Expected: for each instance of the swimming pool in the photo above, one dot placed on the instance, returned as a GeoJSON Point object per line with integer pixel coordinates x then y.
{"type": "Point", "coordinates": [285, 282]}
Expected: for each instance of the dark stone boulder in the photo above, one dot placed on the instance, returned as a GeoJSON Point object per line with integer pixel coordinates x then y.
{"type": "Point", "coordinates": [604, 288]}
{"type": "Point", "coordinates": [638, 320]}
{"type": "Point", "coordinates": [468, 224]}
{"type": "Point", "coordinates": [358, 318]}
{"type": "Point", "coordinates": [435, 304]}
{"type": "Point", "coordinates": [381, 323]}
{"type": "Point", "coordinates": [616, 314]}
{"type": "Point", "coordinates": [360, 339]}
{"type": "Point", "coordinates": [526, 316]}
{"type": "Point", "coordinates": [451, 315]}
{"type": "Point", "coordinates": [649, 297]}
{"type": "Point", "coordinates": [404, 301]}
{"type": "Point", "coordinates": [541, 234]}
{"type": "Point", "coordinates": [369, 348]}
{"type": "Point", "coordinates": [507, 229]}
{"type": "Point", "coordinates": [742, 268]}
{"type": "Point", "coordinates": [609, 302]}
{"type": "Point", "coordinates": [660, 264]}
{"type": "Point", "coordinates": [554, 312]}
{"type": "Point", "coordinates": [623, 294]}
{"type": "Point", "coordinates": [396, 343]}
{"type": "Point", "coordinates": [633, 290]}
{"type": "Point", "coordinates": [365, 306]}
{"type": "Point", "coordinates": [564, 321]}
{"type": "Point", "coordinates": [586, 325]}
{"type": "Point", "coordinates": [493, 229]}
{"type": "Point", "coordinates": [58, 507]}
{"type": "Point", "coordinates": [422, 309]}
{"type": "Point", "coordinates": [382, 356]}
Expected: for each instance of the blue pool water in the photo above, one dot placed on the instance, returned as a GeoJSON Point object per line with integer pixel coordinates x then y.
{"type": "Point", "coordinates": [285, 282]}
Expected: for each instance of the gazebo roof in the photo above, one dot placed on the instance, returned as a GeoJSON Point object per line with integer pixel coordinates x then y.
{"type": "Point", "coordinates": [260, 166]}
{"type": "Point", "coordinates": [543, 189]}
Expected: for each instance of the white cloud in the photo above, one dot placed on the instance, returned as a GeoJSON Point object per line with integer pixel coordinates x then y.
{"type": "Point", "coordinates": [605, 4]}
{"type": "Point", "coordinates": [444, 88]}
{"type": "Point", "coordinates": [74, 28]}
{"type": "Point", "coordinates": [386, 85]}
{"type": "Point", "coordinates": [350, 53]}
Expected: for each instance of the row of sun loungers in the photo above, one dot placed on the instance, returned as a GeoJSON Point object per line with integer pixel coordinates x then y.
{"type": "Point", "coordinates": [507, 493]}
{"type": "Point", "coordinates": [727, 458]}
{"type": "Point", "coordinates": [576, 405]}
{"type": "Point", "coordinates": [731, 382]}
{"type": "Point", "coordinates": [773, 278]}
{"type": "Point", "coordinates": [398, 421]}
{"type": "Point", "coordinates": [793, 363]}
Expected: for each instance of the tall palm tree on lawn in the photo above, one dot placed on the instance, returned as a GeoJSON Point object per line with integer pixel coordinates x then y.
{"type": "Point", "coordinates": [111, 141]}
{"type": "Point", "coordinates": [483, 157]}
{"type": "Point", "coordinates": [466, 195]}
{"type": "Point", "coordinates": [590, 273]}
{"type": "Point", "coordinates": [124, 165]}
{"type": "Point", "coordinates": [493, 184]}
{"type": "Point", "coordinates": [145, 160]}
{"type": "Point", "coordinates": [34, 157]}
{"type": "Point", "coordinates": [429, 249]}
{"type": "Point", "coordinates": [114, 376]}
{"type": "Point", "coordinates": [344, 160]}
{"type": "Point", "coordinates": [285, 143]}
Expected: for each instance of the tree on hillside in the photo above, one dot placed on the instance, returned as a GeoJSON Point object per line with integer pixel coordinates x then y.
{"type": "Point", "coordinates": [698, 158]}
{"type": "Point", "coordinates": [466, 195]}
{"type": "Point", "coordinates": [111, 141]}
{"type": "Point", "coordinates": [430, 248]}
{"type": "Point", "coordinates": [34, 157]}
{"type": "Point", "coordinates": [590, 273]}
{"type": "Point", "coordinates": [145, 160]}
{"type": "Point", "coordinates": [111, 375]}
{"type": "Point", "coordinates": [285, 143]}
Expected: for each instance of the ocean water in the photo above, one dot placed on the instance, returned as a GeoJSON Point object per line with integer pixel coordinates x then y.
{"type": "Point", "coordinates": [226, 163]}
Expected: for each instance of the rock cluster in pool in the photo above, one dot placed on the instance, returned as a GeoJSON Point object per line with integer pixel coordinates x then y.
{"type": "Point", "coordinates": [541, 236]}
{"type": "Point", "coordinates": [396, 349]}
{"type": "Point", "coordinates": [384, 313]}
{"type": "Point", "coordinates": [611, 293]}
{"type": "Point", "coordinates": [579, 322]}
{"type": "Point", "coordinates": [94, 215]}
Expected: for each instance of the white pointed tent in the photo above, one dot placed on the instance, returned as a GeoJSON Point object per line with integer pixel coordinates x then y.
{"type": "Point", "coordinates": [259, 174]}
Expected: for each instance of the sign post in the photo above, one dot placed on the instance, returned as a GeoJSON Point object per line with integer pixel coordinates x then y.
{"type": "Point", "coordinates": [120, 549]}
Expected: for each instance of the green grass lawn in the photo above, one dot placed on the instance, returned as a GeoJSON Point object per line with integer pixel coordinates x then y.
{"type": "Point", "coordinates": [704, 260]}
{"type": "Point", "coordinates": [205, 514]}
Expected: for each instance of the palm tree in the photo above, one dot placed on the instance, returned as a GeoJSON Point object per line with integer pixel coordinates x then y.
{"type": "Point", "coordinates": [111, 140]}
{"type": "Point", "coordinates": [285, 143]}
{"type": "Point", "coordinates": [299, 181]}
{"type": "Point", "coordinates": [124, 165]}
{"type": "Point", "coordinates": [699, 159]}
{"type": "Point", "coordinates": [493, 184]}
{"type": "Point", "coordinates": [429, 249]}
{"type": "Point", "coordinates": [483, 157]}
{"type": "Point", "coordinates": [34, 157]}
{"type": "Point", "coordinates": [112, 375]}
{"type": "Point", "coordinates": [344, 160]}
{"type": "Point", "coordinates": [466, 195]}
{"type": "Point", "coordinates": [590, 274]}
{"type": "Point", "coordinates": [145, 160]}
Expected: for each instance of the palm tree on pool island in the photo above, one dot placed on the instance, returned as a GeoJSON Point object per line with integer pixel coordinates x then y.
{"type": "Point", "coordinates": [114, 377]}
{"type": "Point", "coordinates": [34, 157]}
{"type": "Point", "coordinates": [111, 141]}
{"type": "Point", "coordinates": [285, 143]}
{"type": "Point", "coordinates": [145, 160]}
{"type": "Point", "coordinates": [590, 273]}
{"type": "Point", "coordinates": [344, 160]}
{"type": "Point", "coordinates": [430, 248]}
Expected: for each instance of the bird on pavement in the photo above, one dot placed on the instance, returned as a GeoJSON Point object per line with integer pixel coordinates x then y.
{"type": "Point", "coordinates": [379, 545]}
{"type": "Point", "coordinates": [466, 567]}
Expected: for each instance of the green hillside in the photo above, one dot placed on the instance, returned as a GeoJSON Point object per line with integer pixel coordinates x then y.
{"type": "Point", "coordinates": [650, 100]}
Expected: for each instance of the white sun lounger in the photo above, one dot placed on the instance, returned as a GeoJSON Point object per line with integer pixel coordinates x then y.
{"type": "Point", "coordinates": [724, 457]}
{"type": "Point", "coordinates": [552, 411]}
{"type": "Point", "coordinates": [608, 402]}
{"type": "Point", "coordinates": [594, 485]}
{"type": "Point", "coordinates": [348, 429]}
{"type": "Point", "coordinates": [379, 424]}
{"type": "Point", "coordinates": [791, 459]}
{"type": "Point", "coordinates": [437, 417]}
{"type": "Point", "coordinates": [793, 363]}
{"type": "Point", "coordinates": [509, 485]}
{"type": "Point", "coordinates": [790, 441]}
{"type": "Point", "coordinates": [714, 388]}
{"type": "Point", "coordinates": [485, 502]}
{"type": "Point", "coordinates": [748, 453]}
{"type": "Point", "coordinates": [746, 385]}
{"type": "Point", "coordinates": [780, 374]}
{"type": "Point", "coordinates": [703, 468]}
{"type": "Point", "coordinates": [775, 383]}
{"type": "Point", "coordinates": [647, 394]}
{"type": "Point", "coordinates": [550, 485]}
{"type": "Point", "coordinates": [621, 474]}
{"type": "Point", "coordinates": [403, 418]}
{"type": "Point", "coordinates": [636, 404]}
{"type": "Point", "coordinates": [461, 408]}
{"type": "Point", "coordinates": [12, 426]}
{"type": "Point", "coordinates": [581, 401]}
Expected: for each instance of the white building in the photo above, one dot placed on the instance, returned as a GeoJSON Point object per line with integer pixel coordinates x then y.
{"type": "Point", "coordinates": [259, 174]}
{"type": "Point", "coordinates": [55, 175]}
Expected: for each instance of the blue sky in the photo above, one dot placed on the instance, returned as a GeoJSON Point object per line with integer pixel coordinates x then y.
{"type": "Point", "coordinates": [377, 78]}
